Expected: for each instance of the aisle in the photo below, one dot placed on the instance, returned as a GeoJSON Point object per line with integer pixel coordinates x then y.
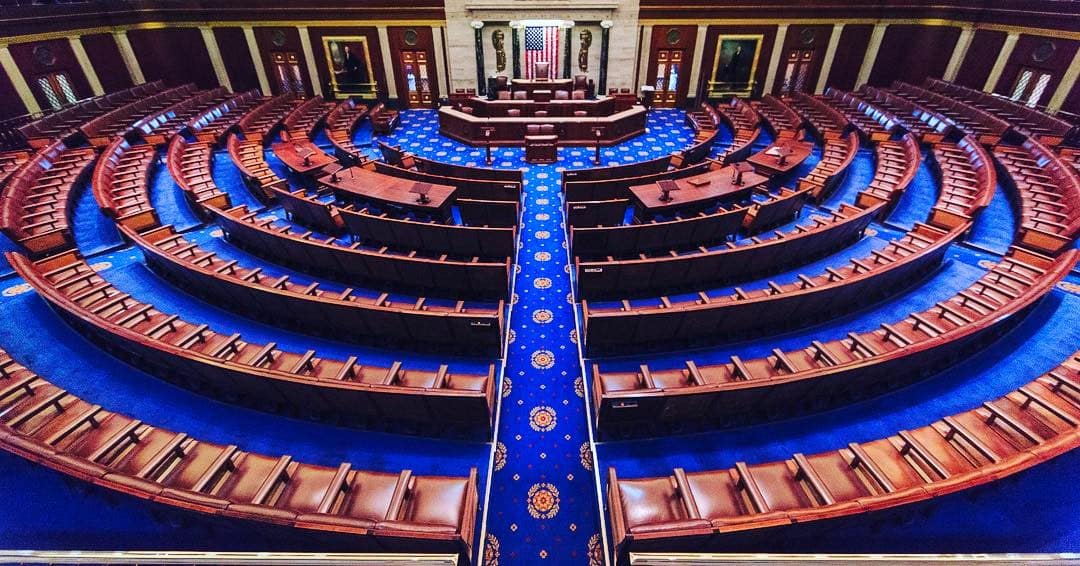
{"type": "Point", "coordinates": [543, 506]}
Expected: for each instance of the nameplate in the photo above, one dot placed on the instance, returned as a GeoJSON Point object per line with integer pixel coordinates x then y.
{"type": "Point", "coordinates": [578, 207]}
{"type": "Point", "coordinates": [624, 405]}
{"type": "Point", "coordinates": [594, 270]}
{"type": "Point", "coordinates": [480, 324]}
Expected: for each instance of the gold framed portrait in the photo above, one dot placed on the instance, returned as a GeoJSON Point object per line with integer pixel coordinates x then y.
{"type": "Point", "coordinates": [734, 65]}
{"type": "Point", "coordinates": [349, 61]}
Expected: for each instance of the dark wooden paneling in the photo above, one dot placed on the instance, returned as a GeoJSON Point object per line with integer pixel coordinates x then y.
{"type": "Point", "coordinates": [10, 104]}
{"type": "Point", "coordinates": [425, 41]}
{"type": "Point", "coordinates": [1051, 14]}
{"type": "Point", "coordinates": [105, 57]}
{"type": "Point", "coordinates": [62, 60]}
{"type": "Point", "coordinates": [1024, 56]}
{"type": "Point", "coordinates": [979, 60]}
{"type": "Point", "coordinates": [1072, 102]}
{"type": "Point", "coordinates": [287, 41]}
{"type": "Point", "coordinates": [687, 35]}
{"type": "Point", "coordinates": [708, 54]}
{"type": "Point", "coordinates": [175, 55]}
{"type": "Point", "coordinates": [31, 19]}
{"type": "Point", "coordinates": [803, 37]}
{"type": "Point", "coordinates": [849, 56]}
{"type": "Point", "coordinates": [374, 50]}
{"type": "Point", "coordinates": [236, 57]}
{"type": "Point", "coordinates": [911, 53]}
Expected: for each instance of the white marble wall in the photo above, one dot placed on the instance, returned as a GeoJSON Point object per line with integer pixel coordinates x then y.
{"type": "Point", "coordinates": [460, 36]}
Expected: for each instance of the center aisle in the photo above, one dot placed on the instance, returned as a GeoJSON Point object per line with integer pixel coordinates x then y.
{"type": "Point", "coordinates": [543, 505]}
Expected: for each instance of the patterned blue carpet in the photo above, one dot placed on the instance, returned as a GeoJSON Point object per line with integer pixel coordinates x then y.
{"type": "Point", "coordinates": [539, 475]}
{"type": "Point", "coordinates": [543, 505]}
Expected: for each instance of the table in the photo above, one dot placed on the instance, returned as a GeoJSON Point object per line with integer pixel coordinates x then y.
{"type": "Point", "coordinates": [694, 193]}
{"type": "Point", "coordinates": [358, 183]}
{"type": "Point", "coordinates": [767, 161]}
{"type": "Point", "coordinates": [303, 158]}
{"type": "Point", "coordinates": [469, 128]}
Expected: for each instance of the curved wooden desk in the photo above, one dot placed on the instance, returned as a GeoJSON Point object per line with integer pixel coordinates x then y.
{"type": "Point", "coordinates": [358, 183]}
{"type": "Point", "coordinates": [469, 128]}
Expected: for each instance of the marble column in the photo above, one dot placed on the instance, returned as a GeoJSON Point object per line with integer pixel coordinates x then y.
{"type": "Point", "coordinates": [256, 59]}
{"type": "Point", "coordinates": [963, 42]}
{"type": "Point", "coordinates": [481, 84]}
{"type": "Point", "coordinates": [515, 36]}
{"type": "Point", "coordinates": [309, 58]}
{"type": "Point", "coordinates": [774, 59]}
{"type": "Point", "coordinates": [1065, 87]}
{"type": "Point", "coordinates": [870, 57]}
{"type": "Point", "coordinates": [1002, 59]}
{"type": "Point", "coordinates": [605, 39]}
{"type": "Point", "coordinates": [127, 53]}
{"type": "Point", "coordinates": [830, 56]}
{"type": "Point", "coordinates": [84, 63]}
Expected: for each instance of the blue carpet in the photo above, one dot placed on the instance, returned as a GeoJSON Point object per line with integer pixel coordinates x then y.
{"type": "Point", "coordinates": [995, 226]}
{"type": "Point", "coordinates": [92, 230]}
{"type": "Point", "coordinates": [227, 177]}
{"type": "Point", "coordinates": [957, 273]}
{"type": "Point", "coordinates": [543, 499]}
{"type": "Point", "coordinates": [1038, 344]}
{"type": "Point", "coordinates": [544, 507]}
{"type": "Point", "coordinates": [917, 200]}
{"type": "Point", "coordinates": [168, 200]}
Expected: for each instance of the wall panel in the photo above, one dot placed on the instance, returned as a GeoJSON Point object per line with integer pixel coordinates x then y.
{"type": "Point", "coordinates": [236, 57]}
{"type": "Point", "coordinates": [323, 67]}
{"type": "Point", "coordinates": [175, 55]}
{"type": "Point", "coordinates": [911, 53]}
{"type": "Point", "coordinates": [1032, 51]}
{"type": "Point", "coordinates": [804, 37]}
{"type": "Point", "coordinates": [54, 56]}
{"type": "Point", "coordinates": [712, 37]}
{"type": "Point", "coordinates": [10, 104]}
{"type": "Point", "coordinates": [849, 56]}
{"type": "Point", "coordinates": [984, 49]}
{"type": "Point", "coordinates": [104, 55]}
{"type": "Point", "coordinates": [282, 40]}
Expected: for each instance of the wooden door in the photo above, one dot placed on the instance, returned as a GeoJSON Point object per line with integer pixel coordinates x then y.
{"type": "Point", "coordinates": [287, 76]}
{"type": "Point", "coordinates": [669, 73]}
{"type": "Point", "coordinates": [798, 64]}
{"type": "Point", "coordinates": [414, 67]}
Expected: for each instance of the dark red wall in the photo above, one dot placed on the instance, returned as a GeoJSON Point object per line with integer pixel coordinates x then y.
{"type": "Point", "coordinates": [105, 56]}
{"type": "Point", "coordinates": [10, 105]}
{"type": "Point", "coordinates": [372, 35]}
{"type": "Point", "coordinates": [796, 40]}
{"type": "Point", "coordinates": [264, 37]}
{"type": "Point", "coordinates": [1023, 56]}
{"type": "Point", "coordinates": [237, 58]}
{"type": "Point", "coordinates": [849, 55]}
{"type": "Point", "coordinates": [982, 53]}
{"type": "Point", "coordinates": [1072, 102]}
{"type": "Point", "coordinates": [175, 55]}
{"type": "Point", "coordinates": [712, 36]}
{"type": "Point", "coordinates": [911, 53]}
{"type": "Point", "coordinates": [64, 60]}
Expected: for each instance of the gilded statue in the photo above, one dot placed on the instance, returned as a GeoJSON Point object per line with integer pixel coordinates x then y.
{"type": "Point", "coordinates": [583, 53]}
{"type": "Point", "coordinates": [498, 38]}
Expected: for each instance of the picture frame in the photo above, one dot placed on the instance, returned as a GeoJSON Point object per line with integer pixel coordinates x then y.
{"type": "Point", "coordinates": [348, 59]}
{"type": "Point", "coordinates": [735, 64]}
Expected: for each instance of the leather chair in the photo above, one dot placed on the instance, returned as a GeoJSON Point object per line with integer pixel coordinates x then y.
{"type": "Point", "coordinates": [513, 113]}
{"type": "Point", "coordinates": [501, 82]}
{"type": "Point", "coordinates": [562, 95]}
{"type": "Point", "coordinates": [541, 70]}
{"type": "Point", "coordinates": [541, 143]}
{"type": "Point", "coordinates": [467, 109]}
{"type": "Point", "coordinates": [503, 95]}
{"type": "Point", "coordinates": [521, 95]}
{"type": "Point", "coordinates": [541, 114]}
{"type": "Point", "coordinates": [578, 95]}
{"type": "Point", "coordinates": [581, 81]}
{"type": "Point", "coordinates": [580, 113]}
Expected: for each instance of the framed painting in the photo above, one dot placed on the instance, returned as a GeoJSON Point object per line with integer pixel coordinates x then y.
{"type": "Point", "coordinates": [349, 61]}
{"type": "Point", "coordinates": [734, 65]}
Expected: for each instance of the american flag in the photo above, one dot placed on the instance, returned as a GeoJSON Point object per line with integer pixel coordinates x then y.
{"type": "Point", "coordinates": [542, 44]}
